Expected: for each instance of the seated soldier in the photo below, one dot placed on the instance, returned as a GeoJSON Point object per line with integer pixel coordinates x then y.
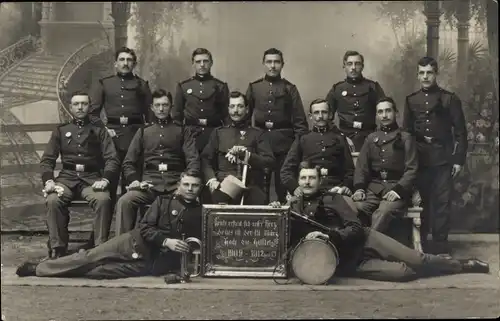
{"type": "Point", "coordinates": [364, 252]}
{"type": "Point", "coordinates": [89, 163]}
{"type": "Point", "coordinates": [160, 152]}
{"type": "Point", "coordinates": [324, 146]}
{"type": "Point", "coordinates": [232, 147]}
{"type": "Point", "coordinates": [386, 169]}
{"type": "Point", "coordinates": [149, 249]}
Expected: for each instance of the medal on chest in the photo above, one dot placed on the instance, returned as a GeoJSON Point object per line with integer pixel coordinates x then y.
{"type": "Point", "coordinates": [242, 134]}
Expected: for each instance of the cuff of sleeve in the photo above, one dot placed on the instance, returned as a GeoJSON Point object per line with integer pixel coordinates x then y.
{"type": "Point", "coordinates": [159, 239]}
{"type": "Point", "coordinates": [47, 176]}
{"type": "Point", "coordinates": [459, 161]}
{"type": "Point", "coordinates": [133, 177]}
{"type": "Point", "coordinates": [164, 244]}
{"type": "Point", "coordinates": [108, 175]}
{"type": "Point", "coordinates": [359, 186]}
{"type": "Point", "coordinates": [400, 190]}
{"type": "Point", "coordinates": [210, 180]}
{"type": "Point", "coordinates": [348, 183]}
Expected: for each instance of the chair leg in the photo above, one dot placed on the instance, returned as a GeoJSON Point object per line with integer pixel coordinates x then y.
{"type": "Point", "coordinates": [417, 243]}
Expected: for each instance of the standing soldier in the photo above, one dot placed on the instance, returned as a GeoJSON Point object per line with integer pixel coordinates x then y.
{"type": "Point", "coordinates": [436, 118]}
{"type": "Point", "coordinates": [234, 144]}
{"type": "Point", "coordinates": [386, 170]}
{"type": "Point", "coordinates": [277, 108]}
{"type": "Point", "coordinates": [89, 162]}
{"type": "Point", "coordinates": [323, 146]}
{"type": "Point", "coordinates": [354, 100]}
{"type": "Point", "coordinates": [201, 101]}
{"type": "Point", "coordinates": [157, 156]}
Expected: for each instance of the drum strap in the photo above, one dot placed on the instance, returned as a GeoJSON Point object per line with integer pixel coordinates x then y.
{"type": "Point", "coordinates": [284, 260]}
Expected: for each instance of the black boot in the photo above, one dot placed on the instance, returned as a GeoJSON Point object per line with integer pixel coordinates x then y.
{"type": "Point", "coordinates": [27, 269]}
{"type": "Point", "coordinates": [474, 266]}
{"type": "Point", "coordinates": [59, 252]}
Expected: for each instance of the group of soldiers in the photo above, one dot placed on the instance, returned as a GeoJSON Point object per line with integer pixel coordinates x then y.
{"type": "Point", "coordinates": [177, 153]}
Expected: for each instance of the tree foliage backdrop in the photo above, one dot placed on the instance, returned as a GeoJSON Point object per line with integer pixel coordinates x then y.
{"type": "Point", "coordinates": [10, 23]}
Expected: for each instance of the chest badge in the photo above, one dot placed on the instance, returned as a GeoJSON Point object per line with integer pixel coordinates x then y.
{"type": "Point", "coordinates": [189, 91]}
{"type": "Point", "coordinates": [383, 174]}
{"type": "Point", "coordinates": [375, 140]}
{"type": "Point", "coordinates": [344, 93]}
{"type": "Point", "coordinates": [175, 213]}
{"type": "Point", "coordinates": [68, 134]}
{"type": "Point", "coordinates": [242, 133]}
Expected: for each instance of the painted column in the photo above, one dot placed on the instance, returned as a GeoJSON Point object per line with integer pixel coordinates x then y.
{"type": "Point", "coordinates": [463, 16]}
{"type": "Point", "coordinates": [120, 12]}
{"type": "Point", "coordinates": [433, 13]}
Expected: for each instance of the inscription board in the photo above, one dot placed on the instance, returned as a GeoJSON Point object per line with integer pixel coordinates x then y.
{"type": "Point", "coordinates": [246, 241]}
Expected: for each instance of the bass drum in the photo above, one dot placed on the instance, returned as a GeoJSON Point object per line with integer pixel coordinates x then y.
{"type": "Point", "coordinates": [314, 261]}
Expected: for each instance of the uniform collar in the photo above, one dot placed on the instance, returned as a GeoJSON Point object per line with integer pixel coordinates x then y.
{"type": "Point", "coordinates": [389, 128]}
{"type": "Point", "coordinates": [203, 77]}
{"type": "Point", "coordinates": [321, 129]}
{"type": "Point", "coordinates": [81, 122]}
{"type": "Point", "coordinates": [183, 201]}
{"type": "Point", "coordinates": [240, 124]}
{"type": "Point", "coordinates": [432, 89]}
{"type": "Point", "coordinates": [271, 78]}
{"type": "Point", "coordinates": [162, 121]}
{"type": "Point", "coordinates": [312, 197]}
{"type": "Point", "coordinates": [129, 75]}
{"type": "Point", "coordinates": [355, 80]}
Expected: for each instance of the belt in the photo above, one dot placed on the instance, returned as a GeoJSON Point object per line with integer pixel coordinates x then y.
{"type": "Point", "coordinates": [387, 174]}
{"type": "Point", "coordinates": [362, 126]}
{"type": "Point", "coordinates": [164, 167]}
{"type": "Point", "coordinates": [203, 122]}
{"type": "Point", "coordinates": [125, 121]}
{"type": "Point", "coordinates": [81, 168]}
{"type": "Point", "coordinates": [268, 125]}
{"type": "Point", "coordinates": [426, 139]}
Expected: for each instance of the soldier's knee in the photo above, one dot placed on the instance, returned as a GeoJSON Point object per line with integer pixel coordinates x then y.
{"type": "Point", "coordinates": [403, 274]}
{"type": "Point", "coordinates": [364, 207]}
{"type": "Point", "coordinates": [125, 200]}
{"type": "Point", "coordinates": [54, 201]}
{"type": "Point", "coordinates": [101, 198]}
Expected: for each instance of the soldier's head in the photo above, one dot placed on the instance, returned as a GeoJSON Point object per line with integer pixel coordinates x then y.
{"type": "Point", "coordinates": [353, 64]}
{"type": "Point", "coordinates": [162, 103]}
{"type": "Point", "coordinates": [190, 185]}
{"type": "Point", "coordinates": [79, 105]}
{"type": "Point", "coordinates": [309, 178]}
{"type": "Point", "coordinates": [202, 61]}
{"type": "Point", "coordinates": [386, 111]}
{"type": "Point", "coordinates": [238, 107]}
{"type": "Point", "coordinates": [273, 62]}
{"type": "Point", "coordinates": [427, 72]}
{"type": "Point", "coordinates": [125, 60]}
{"type": "Point", "coordinates": [320, 112]}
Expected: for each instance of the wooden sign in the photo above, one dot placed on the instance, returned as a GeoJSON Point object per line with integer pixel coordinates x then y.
{"type": "Point", "coordinates": [244, 241]}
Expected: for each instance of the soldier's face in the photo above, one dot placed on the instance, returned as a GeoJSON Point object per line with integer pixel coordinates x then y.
{"type": "Point", "coordinates": [237, 109]}
{"type": "Point", "coordinates": [202, 64]}
{"type": "Point", "coordinates": [273, 65]}
{"type": "Point", "coordinates": [320, 114]}
{"type": "Point", "coordinates": [385, 113]}
{"type": "Point", "coordinates": [353, 66]}
{"type": "Point", "coordinates": [189, 187]}
{"type": "Point", "coordinates": [80, 106]}
{"type": "Point", "coordinates": [161, 107]}
{"type": "Point", "coordinates": [427, 76]}
{"type": "Point", "coordinates": [309, 181]}
{"type": "Point", "coordinates": [125, 63]}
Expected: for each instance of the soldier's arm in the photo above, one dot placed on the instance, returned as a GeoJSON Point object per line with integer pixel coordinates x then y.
{"type": "Point", "coordinates": [289, 170]}
{"type": "Point", "coordinates": [404, 187]}
{"type": "Point", "coordinates": [362, 175]}
{"type": "Point", "coordinates": [224, 102]}
{"type": "Point", "coordinates": [459, 130]}
{"type": "Point", "coordinates": [348, 165]}
{"type": "Point", "coordinates": [193, 162]}
{"type": "Point", "coordinates": [147, 101]}
{"type": "Point", "coordinates": [251, 102]}
{"type": "Point", "coordinates": [264, 156]}
{"type": "Point", "coordinates": [178, 108]}
{"type": "Point", "coordinates": [209, 156]}
{"type": "Point", "coordinates": [352, 231]}
{"type": "Point", "coordinates": [110, 156]}
{"type": "Point", "coordinates": [299, 119]}
{"type": "Point", "coordinates": [96, 103]}
{"type": "Point", "coordinates": [148, 226]}
{"type": "Point", "coordinates": [378, 91]}
{"type": "Point", "coordinates": [50, 155]}
{"type": "Point", "coordinates": [330, 98]}
{"type": "Point", "coordinates": [134, 158]}
{"type": "Point", "coordinates": [408, 121]}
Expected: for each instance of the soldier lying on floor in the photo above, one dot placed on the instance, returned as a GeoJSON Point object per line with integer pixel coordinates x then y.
{"type": "Point", "coordinates": [364, 252]}
{"type": "Point", "coordinates": [150, 249]}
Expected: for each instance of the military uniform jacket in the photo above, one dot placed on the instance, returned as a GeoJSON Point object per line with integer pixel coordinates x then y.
{"type": "Point", "coordinates": [222, 139]}
{"type": "Point", "coordinates": [201, 101]}
{"type": "Point", "coordinates": [277, 108]}
{"type": "Point", "coordinates": [437, 114]}
{"type": "Point", "coordinates": [325, 147]}
{"type": "Point", "coordinates": [161, 152]}
{"type": "Point", "coordinates": [387, 161]}
{"type": "Point", "coordinates": [355, 100]}
{"type": "Point", "coordinates": [87, 154]}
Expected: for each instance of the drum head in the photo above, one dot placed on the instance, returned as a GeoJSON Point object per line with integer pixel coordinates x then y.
{"type": "Point", "coordinates": [314, 261]}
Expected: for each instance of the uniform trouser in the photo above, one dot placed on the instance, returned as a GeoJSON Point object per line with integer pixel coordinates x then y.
{"type": "Point", "coordinates": [385, 259]}
{"type": "Point", "coordinates": [110, 260]}
{"type": "Point", "coordinates": [381, 211]}
{"type": "Point", "coordinates": [127, 208]}
{"type": "Point", "coordinates": [114, 184]}
{"type": "Point", "coordinates": [435, 184]}
{"type": "Point", "coordinates": [58, 214]}
{"type": "Point", "coordinates": [279, 188]}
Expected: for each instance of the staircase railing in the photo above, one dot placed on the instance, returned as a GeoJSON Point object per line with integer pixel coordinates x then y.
{"type": "Point", "coordinates": [17, 52]}
{"type": "Point", "coordinates": [71, 65]}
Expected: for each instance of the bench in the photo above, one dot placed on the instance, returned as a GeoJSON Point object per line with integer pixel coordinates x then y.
{"type": "Point", "coordinates": [412, 213]}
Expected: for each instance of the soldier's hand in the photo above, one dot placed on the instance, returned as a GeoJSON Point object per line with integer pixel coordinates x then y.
{"type": "Point", "coordinates": [275, 204]}
{"type": "Point", "coordinates": [100, 185]}
{"type": "Point", "coordinates": [359, 195]}
{"type": "Point", "coordinates": [455, 170]}
{"type": "Point", "coordinates": [50, 187]}
{"type": "Point", "coordinates": [144, 185]}
{"type": "Point", "coordinates": [317, 235]}
{"type": "Point", "coordinates": [391, 196]}
{"type": "Point", "coordinates": [134, 185]}
{"type": "Point", "coordinates": [213, 184]}
{"type": "Point", "coordinates": [344, 190]}
{"type": "Point", "coordinates": [298, 192]}
{"type": "Point", "coordinates": [335, 190]}
{"type": "Point", "coordinates": [111, 132]}
{"type": "Point", "coordinates": [176, 245]}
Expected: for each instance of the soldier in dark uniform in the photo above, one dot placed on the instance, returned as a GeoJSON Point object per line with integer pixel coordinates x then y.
{"type": "Point", "coordinates": [201, 101]}
{"type": "Point", "coordinates": [324, 146]}
{"type": "Point", "coordinates": [354, 100]}
{"type": "Point", "coordinates": [160, 152]}
{"type": "Point", "coordinates": [150, 249]}
{"type": "Point", "coordinates": [89, 162]}
{"type": "Point", "coordinates": [277, 108]}
{"type": "Point", "coordinates": [436, 118]}
{"type": "Point", "coordinates": [386, 169]}
{"type": "Point", "coordinates": [231, 146]}
{"type": "Point", "coordinates": [363, 252]}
